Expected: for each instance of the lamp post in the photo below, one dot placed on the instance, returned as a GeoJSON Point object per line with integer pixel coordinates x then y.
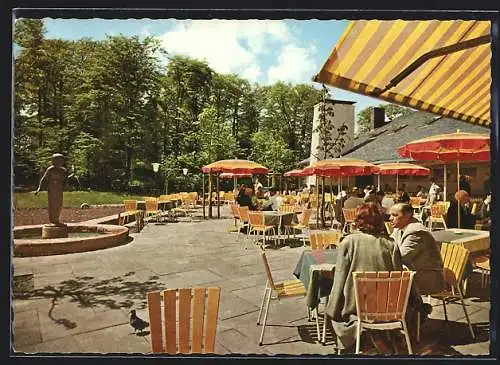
{"type": "Point", "coordinates": [156, 167]}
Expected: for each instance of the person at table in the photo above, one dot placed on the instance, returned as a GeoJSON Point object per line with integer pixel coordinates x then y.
{"type": "Point", "coordinates": [387, 188]}
{"type": "Point", "coordinates": [368, 248]}
{"type": "Point", "coordinates": [484, 213]}
{"type": "Point", "coordinates": [241, 192]}
{"type": "Point", "coordinates": [257, 184]}
{"type": "Point", "coordinates": [403, 196]}
{"type": "Point", "coordinates": [419, 250]}
{"type": "Point", "coordinates": [274, 201]}
{"type": "Point", "coordinates": [246, 199]}
{"type": "Point", "coordinates": [260, 193]}
{"type": "Point", "coordinates": [354, 199]}
{"type": "Point", "coordinates": [432, 195]}
{"type": "Point", "coordinates": [467, 219]}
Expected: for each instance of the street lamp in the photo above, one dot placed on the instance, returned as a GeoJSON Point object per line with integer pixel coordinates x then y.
{"type": "Point", "coordinates": [156, 166]}
{"type": "Point", "coordinates": [185, 171]}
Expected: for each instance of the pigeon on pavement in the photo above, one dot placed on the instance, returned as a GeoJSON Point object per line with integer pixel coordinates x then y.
{"type": "Point", "coordinates": [137, 323]}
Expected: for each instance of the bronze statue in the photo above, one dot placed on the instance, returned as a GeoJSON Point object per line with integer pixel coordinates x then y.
{"type": "Point", "coordinates": [53, 179]}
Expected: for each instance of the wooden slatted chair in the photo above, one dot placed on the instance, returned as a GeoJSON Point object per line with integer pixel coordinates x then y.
{"type": "Point", "coordinates": [302, 226]}
{"type": "Point", "coordinates": [321, 240]}
{"type": "Point", "coordinates": [455, 258]}
{"type": "Point", "coordinates": [236, 215]}
{"type": "Point", "coordinates": [258, 226]}
{"type": "Point", "coordinates": [192, 313]}
{"type": "Point", "coordinates": [349, 217]}
{"type": "Point", "coordinates": [276, 290]}
{"type": "Point", "coordinates": [381, 301]}
{"type": "Point", "coordinates": [438, 212]}
{"type": "Point", "coordinates": [483, 264]}
{"type": "Point", "coordinates": [152, 209]}
{"type": "Point", "coordinates": [244, 223]}
{"type": "Point", "coordinates": [415, 203]}
{"type": "Point", "coordinates": [130, 206]}
{"type": "Point", "coordinates": [286, 208]}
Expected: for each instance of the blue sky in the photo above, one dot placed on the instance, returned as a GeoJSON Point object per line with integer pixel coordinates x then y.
{"type": "Point", "coordinates": [262, 51]}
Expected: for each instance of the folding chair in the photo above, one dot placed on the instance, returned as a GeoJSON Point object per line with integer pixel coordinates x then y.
{"type": "Point", "coordinates": [284, 289]}
{"type": "Point", "coordinates": [438, 211]}
{"type": "Point", "coordinates": [381, 301]}
{"type": "Point", "coordinates": [349, 217]}
{"type": "Point", "coordinates": [152, 209]}
{"type": "Point", "coordinates": [190, 312]}
{"type": "Point", "coordinates": [244, 223]}
{"type": "Point", "coordinates": [321, 240]}
{"type": "Point", "coordinates": [455, 258]}
{"type": "Point", "coordinates": [257, 225]}
{"type": "Point", "coordinates": [303, 224]}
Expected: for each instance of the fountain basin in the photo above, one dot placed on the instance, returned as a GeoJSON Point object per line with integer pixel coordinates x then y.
{"type": "Point", "coordinates": [82, 238]}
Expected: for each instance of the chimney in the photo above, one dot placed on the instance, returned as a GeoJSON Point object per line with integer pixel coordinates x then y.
{"type": "Point", "coordinates": [377, 117]}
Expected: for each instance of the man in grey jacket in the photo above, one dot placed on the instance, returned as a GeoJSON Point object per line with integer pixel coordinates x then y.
{"type": "Point", "coordinates": [419, 250]}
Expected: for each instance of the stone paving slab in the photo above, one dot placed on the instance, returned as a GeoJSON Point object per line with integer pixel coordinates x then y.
{"type": "Point", "coordinates": [95, 292]}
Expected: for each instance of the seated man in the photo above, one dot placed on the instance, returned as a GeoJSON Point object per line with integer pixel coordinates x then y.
{"type": "Point", "coordinates": [419, 250]}
{"type": "Point", "coordinates": [467, 220]}
{"type": "Point", "coordinates": [246, 199]}
{"type": "Point", "coordinates": [366, 249]}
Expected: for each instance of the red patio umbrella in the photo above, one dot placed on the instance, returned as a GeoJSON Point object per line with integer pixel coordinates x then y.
{"type": "Point", "coordinates": [396, 168]}
{"type": "Point", "coordinates": [452, 147]}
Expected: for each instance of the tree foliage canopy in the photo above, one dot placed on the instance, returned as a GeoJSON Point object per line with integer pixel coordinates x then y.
{"type": "Point", "coordinates": [113, 107]}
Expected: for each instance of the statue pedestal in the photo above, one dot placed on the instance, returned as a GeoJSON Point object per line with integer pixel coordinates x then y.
{"type": "Point", "coordinates": [54, 231]}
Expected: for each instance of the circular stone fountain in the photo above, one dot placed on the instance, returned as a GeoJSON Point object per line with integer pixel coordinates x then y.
{"type": "Point", "coordinates": [82, 237]}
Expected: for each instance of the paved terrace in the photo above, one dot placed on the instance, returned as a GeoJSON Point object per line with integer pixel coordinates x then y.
{"type": "Point", "coordinates": [81, 302]}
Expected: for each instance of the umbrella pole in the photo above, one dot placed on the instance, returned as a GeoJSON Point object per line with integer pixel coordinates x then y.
{"type": "Point", "coordinates": [458, 188]}
{"type": "Point", "coordinates": [397, 183]}
{"type": "Point", "coordinates": [317, 201]}
{"type": "Point", "coordinates": [234, 182]}
{"type": "Point", "coordinates": [218, 198]}
{"type": "Point", "coordinates": [444, 187]}
{"type": "Point", "coordinates": [203, 193]}
{"type": "Point", "coordinates": [378, 181]}
{"type": "Point", "coordinates": [210, 195]}
{"type": "Point", "coordinates": [339, 185]}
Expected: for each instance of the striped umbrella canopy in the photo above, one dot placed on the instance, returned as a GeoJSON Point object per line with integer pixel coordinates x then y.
{"type": "Point", "coordinates": [293, 173]}
{"type": "Point", "coordinates": [235, 166]}
{"type": "Point", "coordinates": [438, 66]}
{"type": "Point", "coordinates": [449, 147]}
{"type": "Point", "coordinates": [341, 167]}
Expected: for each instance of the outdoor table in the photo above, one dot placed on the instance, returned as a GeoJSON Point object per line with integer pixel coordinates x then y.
{"type": "Point", "coordinates": [279, 219]}
{"type": "Point", "coordinates": [315, 270]}
{"type": "Point", "coordinates": [472, 240]}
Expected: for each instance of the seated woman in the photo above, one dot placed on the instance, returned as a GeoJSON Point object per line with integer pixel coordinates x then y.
{"type": "Point", "coordinates": [246, 200]}
{"type": "Point", "coordinates": [368, 248]}
{"type": "Point", "coordinates": [403, 196]}
{"type": "Point", "coordinates": [467, 220]}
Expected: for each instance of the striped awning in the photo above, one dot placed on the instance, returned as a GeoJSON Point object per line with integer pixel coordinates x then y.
{"type": "Point", "coordinates": [442, 67]}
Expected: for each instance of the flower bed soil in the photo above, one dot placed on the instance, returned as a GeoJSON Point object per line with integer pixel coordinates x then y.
{"type": "Point", "coordinates": [30, 216]}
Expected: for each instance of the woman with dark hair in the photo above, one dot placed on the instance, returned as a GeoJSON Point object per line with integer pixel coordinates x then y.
{"type": "Point", "coordinates": [368, 248]}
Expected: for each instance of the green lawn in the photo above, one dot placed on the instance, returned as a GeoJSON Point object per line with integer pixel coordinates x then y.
{"type": "Point", "coordinates": [72, 199]}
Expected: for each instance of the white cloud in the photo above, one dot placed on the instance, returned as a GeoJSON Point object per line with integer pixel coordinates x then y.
{"type": "Point", "coordinates": [251, 73]}
{"type": "Point", "coordinates": [295, 64]}
{"type": "Point", "coordinates": [229, 46]}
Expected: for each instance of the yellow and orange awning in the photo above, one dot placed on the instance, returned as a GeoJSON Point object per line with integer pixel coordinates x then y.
{"type": "Point", "coordinates": [442, 67]}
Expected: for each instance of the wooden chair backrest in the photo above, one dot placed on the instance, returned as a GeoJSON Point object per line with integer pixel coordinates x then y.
{"type": "Point", "coordinates": [266, 266]}
{"type": "Point", "coordinates": [293, 192]}
{"type": "Point", "coordinates": [305, 217]}
{"type": "Point", "coordinates": [243, 213]}
{"type": "Point", "coordinates": [193, 195]}
{"type": "Point", "coordinates": [349, 214]}
{"type": "Point", "coordinates": [324, 239]}
{"type": "Point", "coordinates": [151, 205]}
{"type": "Point", "coordinates": [415, 201]}
{"type": "Point", "coordinates": [438, 210]}
{"type": "Point", "coordinates": [194, 318]}
{"type": "Point", "coordinates": [256, 219]}
{"type": "Point", "coordinates": [286, 208]}
{"type": "Point", "coordinates": [454, 258]}
{"type": "Point", "coordinates": [234, 210]}
{"type": "Point", "coordinates": [164, 198]}
{"type": "Point", "coordinates": [383, 295]}
{"type": "Point", "coordinates": [146, 198]}
{"type": "Point", "coordinates": [389, 227]}
{"type": "Point", "coordinates": [130, 205]}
